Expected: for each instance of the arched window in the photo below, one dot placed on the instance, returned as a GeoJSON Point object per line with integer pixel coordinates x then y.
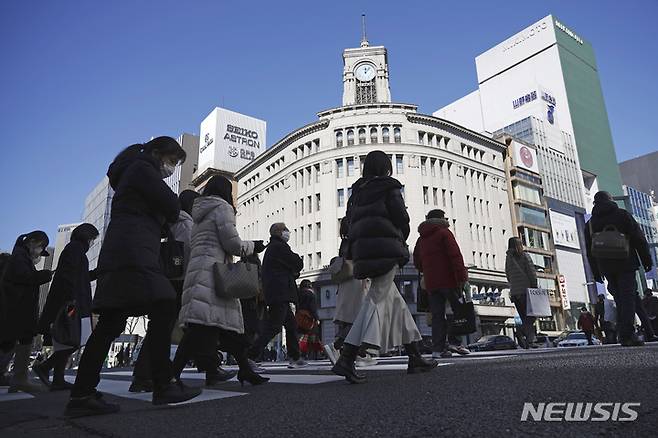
{"type": "Point", "coordinates": [373, 135]}
{"type": "Point", "coordinates": [385, 135]}
{"type": "Point", "coordinates": [350, 137]}
{"type": "Point", "coordinates": [362, 136]}
{"type": "Point", "coordinates": [339, 139]}
{"type": "Point", "coordinates": [397, 135]}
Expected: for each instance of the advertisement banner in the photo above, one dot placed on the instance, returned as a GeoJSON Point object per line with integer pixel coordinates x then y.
{"type": "Point", "coordinates": [564, 295]}
{"type": "Point", "coordinates": [229, 140]}
{"type": "Point", "coordinates": [525, 157]}
{"type": "Point", "coordinates": [565, 231]}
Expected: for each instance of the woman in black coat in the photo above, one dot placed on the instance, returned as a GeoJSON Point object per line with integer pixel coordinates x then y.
{"type": "Point", "coordinates": [130, 279]}
{"type": "Point", "coordinates": [378, 227]}
{"type": "Point", "coordinates": [71, 285]}
{"type": "Point", "coordinates": [20, 288]}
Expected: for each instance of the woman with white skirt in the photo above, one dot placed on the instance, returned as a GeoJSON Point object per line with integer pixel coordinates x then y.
{"type": "Point", "coordinates": [377, 231]}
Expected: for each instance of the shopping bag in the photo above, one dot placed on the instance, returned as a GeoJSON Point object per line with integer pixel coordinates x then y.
{"type": "Point", "coordinates": [537, 303]}
{"type": "Point", "coordinates": [463, 319]}
{"type": "Point", "coordinates": [65, 329]}
{"type": "Point", "coordinates": [236, 280]}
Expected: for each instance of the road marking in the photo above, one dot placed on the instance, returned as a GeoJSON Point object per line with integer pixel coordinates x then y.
{"type": "Point", "coordinates": [5, 396]}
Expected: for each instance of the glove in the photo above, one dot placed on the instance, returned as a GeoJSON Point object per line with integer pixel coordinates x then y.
{"type": "Point", "coordinates": [258, 246]}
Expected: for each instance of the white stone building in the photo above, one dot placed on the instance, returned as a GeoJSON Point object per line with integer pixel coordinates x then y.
{"type": "Point", "coordinates": [304, 180]}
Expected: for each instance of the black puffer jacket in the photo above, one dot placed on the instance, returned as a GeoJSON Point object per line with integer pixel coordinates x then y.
{"type": "Point", "coordinates": [281, 266]}
{"type": "Point", "coordinates": [378, 226]}
{"type": "Point", "coordinates": [72, 281]}
{"type": "Point", "coordinates": [21, 282]}
{"type": "Point", "coordinates": [607, 213]}
{"type": "Point", "coordinates": [129, 273]}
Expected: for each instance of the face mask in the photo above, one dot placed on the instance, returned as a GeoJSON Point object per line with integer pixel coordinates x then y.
{"type": "Point", "coordinates": [285, 236]}
{"type": "Point", "coordinates": [167, 169]}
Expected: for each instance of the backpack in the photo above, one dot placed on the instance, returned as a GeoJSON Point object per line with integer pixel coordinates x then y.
{"type": "Point", "coordinates": [609, 244]}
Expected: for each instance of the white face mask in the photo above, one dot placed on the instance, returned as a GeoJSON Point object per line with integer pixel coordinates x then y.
{"type": "Point", "coordinates": [285, 235]}
{"type": "Point", "coordinates": [167, 169]}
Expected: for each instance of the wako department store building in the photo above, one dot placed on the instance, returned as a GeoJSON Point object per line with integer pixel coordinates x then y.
{"type": "Point", "coordinates": [304, 180]}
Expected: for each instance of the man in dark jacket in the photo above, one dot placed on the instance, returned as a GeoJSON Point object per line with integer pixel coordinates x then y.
{"type": "Point", "coordinates": [281, 266]}
{"type": "Point", "coordinates": [619, 273]}
{"type": "Point", "coordinates": [438, 257]}
{"type": "Point", "coordinates": [586, 324]}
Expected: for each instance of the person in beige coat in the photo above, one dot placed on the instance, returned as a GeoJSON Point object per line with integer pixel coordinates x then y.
{"type": "Point", "coordinates": [207, 317]}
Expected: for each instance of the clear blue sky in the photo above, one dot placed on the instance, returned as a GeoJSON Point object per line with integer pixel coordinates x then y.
{"type": "Point", "coordinates": [82, 79]}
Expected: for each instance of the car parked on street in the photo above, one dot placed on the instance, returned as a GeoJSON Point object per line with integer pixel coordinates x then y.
{"type": "Point", "coordinates": [577, 339]}
{"type": "Point", "coordinates": [493, 343]}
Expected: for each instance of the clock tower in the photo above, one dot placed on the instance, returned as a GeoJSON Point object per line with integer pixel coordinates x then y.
{"type": "Point", "coordinates": [365, 73]}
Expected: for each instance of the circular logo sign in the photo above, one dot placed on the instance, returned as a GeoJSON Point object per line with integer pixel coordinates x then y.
{"type": "Point", "coordinates": [526, 156]}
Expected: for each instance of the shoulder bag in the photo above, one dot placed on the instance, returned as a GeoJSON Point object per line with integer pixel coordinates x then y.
{"type": "Point", "coordinates": [236, 280]}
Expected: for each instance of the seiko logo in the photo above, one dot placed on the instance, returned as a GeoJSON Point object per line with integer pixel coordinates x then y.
{"type": "Point", "coordinates": [555, 412]}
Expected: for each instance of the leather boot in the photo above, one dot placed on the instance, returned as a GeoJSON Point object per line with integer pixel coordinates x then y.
{"type": "Point", "coordinates": [20, 380]}
{"type": "Point", "coordinates": [417, 364]}
{"type": "Point", "coordinates": [345, 365]}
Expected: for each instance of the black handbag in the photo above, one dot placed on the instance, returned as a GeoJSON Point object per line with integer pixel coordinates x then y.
{"type": "Point", "coordinates": [463, 319]}
{"type": "Point", "coordinates": [172, 256]}
{"type": "Point", "coordinates": [66, 328]}
{"type": "Point", "coordinates": [609, 244]}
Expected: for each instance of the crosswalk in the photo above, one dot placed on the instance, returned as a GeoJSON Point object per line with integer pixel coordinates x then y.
{"type": "Point", "coordinates": [117, 382]}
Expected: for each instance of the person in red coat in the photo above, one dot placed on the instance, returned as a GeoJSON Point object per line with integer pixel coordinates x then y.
{"type": "Point", "coordinates": [438, 257]}
{"type": "Point", "coordinates": [586, 324]}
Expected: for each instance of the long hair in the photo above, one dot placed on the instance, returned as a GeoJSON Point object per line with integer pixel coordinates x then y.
{"type": "Point", "coordinates": [84, 232]}
{"type": "Point", "coordinates": [220, 186]}
{"type": "Point", "coordinates": [377, 163]}
{"type": "Point", "coordinates": [512, 245]}
{"type": "Point", "coordinates": [163, 145]}
{"type": "Point", "coordinates": [187, 198]}
{"type": "Point", "coordinates": [32, 236]}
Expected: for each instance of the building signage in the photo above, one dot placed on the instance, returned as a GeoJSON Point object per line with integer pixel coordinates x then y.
{"type": "Point", "coordinates": [568, 31]}
{"type": "Point", "coordinates": [525, 35]}
{"type": "Point", "coordinates": [516, 103]}
{"type": "Point", "coordinates": [565, 231]}
{"type": "Point", "coordinates": [230, 140]}
{"type": "Point", "coordinates": [525, 157]}
{"type": "Point", "coordinates": [564, 295]}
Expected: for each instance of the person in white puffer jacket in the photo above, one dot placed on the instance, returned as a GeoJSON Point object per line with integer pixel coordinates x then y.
{"type": "Point", "coordinates": [207, 317]}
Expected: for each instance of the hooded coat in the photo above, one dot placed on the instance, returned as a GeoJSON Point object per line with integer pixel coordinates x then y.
{"type": "Point", "coordinates": [520, 272]}
{"type": "Point", "coordinates": [21, 282]}
{"type": "Point", "coordinates": [378, 226]}
{"type": "Point", "coordinates": [281, 266]}
{"type": "Point", "coordinates": [215, 239]}
{"type": "Point", "coordinates": [72, 281]}
{"type": "Point", "coordinates": [607, 213]}
{"type": "Point", "coordinates": [438, 257]}
{"type": "Point", "coordinates": [129, 273]}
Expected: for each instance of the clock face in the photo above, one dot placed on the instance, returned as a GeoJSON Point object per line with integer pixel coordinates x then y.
{"type": "Point", "coordinates": [365, 72]}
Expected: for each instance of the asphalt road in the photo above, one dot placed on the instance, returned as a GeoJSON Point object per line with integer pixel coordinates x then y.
{"type": "Point", "coordinates": [479, 395]}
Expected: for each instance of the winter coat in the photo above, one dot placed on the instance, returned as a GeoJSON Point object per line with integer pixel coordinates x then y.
{"type": "Point", "coordinates": [438, 257]}
{"type": "Point", "coordinates": [281, 267]}
{"type": "Point", "coordinates": [21, 282]}
{"type": "Point", "coordinates": [72, 281]}
{"type": "Point", "coordinates": [607, 213]}
{"type": "Point", "coordinates": [307, 301]}
{"type": "Point", "coordinates": [129, 273]}
{"type": "Point", "coordinates": [378, 226]}
{"type": "Point", "coordinates": [586, 322]}
{"type": "Point", "coordinates": [182, 232]}
{"type": "Point", "coordinates": [520, 273]}
{"type": "Point", "coordinates": [215, 239]}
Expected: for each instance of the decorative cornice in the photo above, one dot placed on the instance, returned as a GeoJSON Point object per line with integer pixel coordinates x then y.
{"type": "Point", "coordinates": [378, 105]}
{"type": "Point", "coordinates": [283, 143]}
{"type": "Point", "coordinates": [424, 119]}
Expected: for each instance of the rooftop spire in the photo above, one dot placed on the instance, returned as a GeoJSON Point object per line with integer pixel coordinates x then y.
{"type": "Point", "coordinates": [364, 40]}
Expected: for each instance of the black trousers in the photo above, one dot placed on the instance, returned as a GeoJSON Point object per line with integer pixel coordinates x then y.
{"type": "Point", "coordinates": [623, 288]}
{"type": "Point", "coordinates": [440, 327]}
{"type": "Point", "coordinates": [527, 322]}
{"type": "Point", "coordinates": [200, 342]}
{"type": "Point", "coordinates": [279, 315]}
{"type": "Point", "coordinates": [111, 324]}
{"type": "Point", "coordinates": [57, 362]}
{"type": "Point", "coordinates": [647, 326]}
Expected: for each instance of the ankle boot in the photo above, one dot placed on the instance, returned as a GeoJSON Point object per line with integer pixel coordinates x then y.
{"type": "Point", "coordinates": [20, 380]}
{"type": "Point", "coordinates": [417, 364]}
{"type": "Point", "coordinates": [345, 365]}
{"type": "Point", "coordinates": [219, 375]}
{"type": "Point", "coordinates": [246, 372]}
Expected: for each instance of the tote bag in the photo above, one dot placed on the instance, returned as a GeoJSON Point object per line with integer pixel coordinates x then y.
{"type": "Point", "coordinates": [463, 319]}
{"type": "Point", "coordinates": [236, 280]}
{"type": "Point", "coordinates": [66, 328]}
{"type": "Point", "coordinates": [537, 302]}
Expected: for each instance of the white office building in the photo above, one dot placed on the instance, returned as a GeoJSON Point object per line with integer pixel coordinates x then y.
{"type": "Point", "coordinates": [304, 180]}
{"type": "Point", "coordinates": [62, 239]}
